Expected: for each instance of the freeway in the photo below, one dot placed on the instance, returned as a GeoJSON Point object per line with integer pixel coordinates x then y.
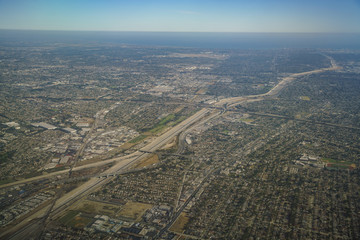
{"type": "Point", "coordinates": [160, 141]}
{"type": "Point", "coordinates": [224, 103]}
{"type": "Point", "coordinates": [124, 163]}
{"type": "Point", "coordinates": [32, 223]}
{"type": "Point", "coordinates": [91, 165]}
{"type": "Point", "coordinates": [156, 144]}
{"type": "Point", "coordinates": [231, 102]}
{"type": "Point", "coordinates": [94, 183]}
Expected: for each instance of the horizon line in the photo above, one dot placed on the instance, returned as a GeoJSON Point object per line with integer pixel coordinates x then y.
{"type": "Point", "coordinates": [159, 31]}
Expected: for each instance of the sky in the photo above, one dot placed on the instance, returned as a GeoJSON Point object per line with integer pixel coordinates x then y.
{"type": "Point", "coordinates": [182, 15]}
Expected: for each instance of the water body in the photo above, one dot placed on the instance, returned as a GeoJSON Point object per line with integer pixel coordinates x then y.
{"type": "Point", "coordinates": [178, 39]}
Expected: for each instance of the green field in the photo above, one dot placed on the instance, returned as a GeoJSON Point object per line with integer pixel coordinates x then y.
{"type": "Point", "coordinates": [162, 124]}
{"type": "Point", "coordinates": [169, 121]}
{"type": "Point", "coordinates": [68, 216]}
{"type": "Point", "coordinates": [94, 207]}
{"type": "Point", "coordinates": [134, 210]}
{"type": "Point", "coordinates": [305, 98]}
{"type": "Point", "coordinates": [248, 120]}
{"type": "Point", "coordinates": [79, 222]}
{"type": "Point", "coordinates": [75, 219]}
{"type": "Point", "coordinates": [340, 164]}
{"type": "Point", "coordinates": [138, 139]}
{"type": "Point", "coordinates": [179, 120]}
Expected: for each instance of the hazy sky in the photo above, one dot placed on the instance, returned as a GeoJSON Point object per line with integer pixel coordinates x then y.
{"type": "Point", "coordinates": [183, 15]}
